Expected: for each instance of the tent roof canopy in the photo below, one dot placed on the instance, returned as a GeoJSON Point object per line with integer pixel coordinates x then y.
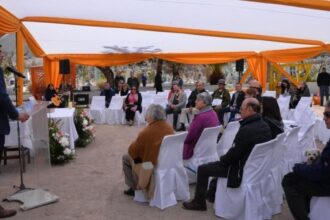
{"type": "Point", "coordinates": [158, 26]}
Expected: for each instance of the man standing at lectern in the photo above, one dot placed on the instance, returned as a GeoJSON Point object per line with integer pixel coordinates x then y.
{"type": "Point", "coordinates": [6, 110]}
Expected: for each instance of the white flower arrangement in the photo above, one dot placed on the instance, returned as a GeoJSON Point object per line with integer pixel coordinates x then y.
{"type": "Point", "coordinates": [85, 128]}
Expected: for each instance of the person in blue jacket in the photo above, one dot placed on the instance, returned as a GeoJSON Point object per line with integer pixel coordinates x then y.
{"type": "Point", "coordinates": [308, 180]}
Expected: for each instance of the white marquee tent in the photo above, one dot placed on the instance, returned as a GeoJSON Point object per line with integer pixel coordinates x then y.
{"type": "Point", "coordinates": [109, 32]}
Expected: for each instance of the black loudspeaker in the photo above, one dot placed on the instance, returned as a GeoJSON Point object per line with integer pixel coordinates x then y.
{"type": "Point", "coordinates": [81, 99]}
{"type": "Point", "coordinates": [240, 65]}
{"type": "Point", "coordinates": [64, 66]}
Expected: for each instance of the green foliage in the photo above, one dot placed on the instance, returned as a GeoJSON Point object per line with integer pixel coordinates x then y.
{"type": "Point", "coordinates": [85, 128]}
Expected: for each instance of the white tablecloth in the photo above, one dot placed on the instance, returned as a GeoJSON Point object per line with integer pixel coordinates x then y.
{"type": "Point", "coordinates": [34, 130]}
{"type": "Point", "coordinates": [66, 115]}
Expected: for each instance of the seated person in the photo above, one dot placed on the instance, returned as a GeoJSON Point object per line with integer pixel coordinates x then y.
{"type": "Point", "coordinates": [285, 87]}
{"type": "Point", "coordinates": [146, 146]}
{"type": "Point", "coordinates": [221, 93]}
{"type": "Point", "coordinates": [253, 130]}
{"type": "Point", "coordinates": [308, 180]}
{"type": "Point", "coordinates": [176, 102]}
{"type": "Point", "coordinates": [205, 118]}
{"type": "Point", "coordinates": [255, 84]}
{"type": "Point", "coordinates": [132, 103]}
{"type": "Point", "coordinates": [108, 92]}
{"type": "Point", "coordinates": [125, 89]}
{"type": "Point", "coordinates": [133, 80]}
{"type": "Point", "coordinates": [120, 88]}
{"type": "Point", "coordinates": [272, 116]}
{"type": "Point", "coordinates": [250, 93]}
{"type": "Point", "coordinates": [235, 104]}
{"type": "Point", "coordinates": [117, 80]}
{"type": "Point", "coordinates": [301, 91]}
{"type": "Point", "coordinates": [50, 92]}
{"type": "Point", "coordinates": [190, 107]}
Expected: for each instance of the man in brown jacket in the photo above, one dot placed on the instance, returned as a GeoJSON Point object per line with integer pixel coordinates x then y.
{"type": "Point", "coordinates": [146, 146]}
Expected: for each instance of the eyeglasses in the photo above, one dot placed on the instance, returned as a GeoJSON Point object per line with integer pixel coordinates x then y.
{"type": "Point", "coordinates": [253, 87]}
{"type": "Point", "coordinates": [133, 89]}
{"type": "Point", "coordinates": [326, 114]}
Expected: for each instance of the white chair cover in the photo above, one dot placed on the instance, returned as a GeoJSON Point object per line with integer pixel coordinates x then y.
{"type": "Point", "coordinates": [115, 114]}
{"type": "Point", "coordinates": [205, 151]}
{"type": "Point", "coordinates": [319, 208]}
{"type": "Point", "coordinates": [291, 154]}
{"type": "Point", "coordinates": [247, 201]}
{"type": "Point", "coordinates": [269, 93]}
{"type": "Point", "coordinates": [227, 138]}
{"type": "Point", "coordinates": [321, 131]}
{"type": "Point", "coordinates": [299, 111]}
{"type": "Point", "coordinates": [274, 202]}
{"type": "Point", "coordinates": [283, 103]}
{"type": "Point", "coordinates": [97, 109]}
{"type": "Point", "coordinates": [171, 181]}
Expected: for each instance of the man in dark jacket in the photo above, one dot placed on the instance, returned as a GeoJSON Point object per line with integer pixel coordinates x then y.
{"type": "Point", "coordinates": [108, 92]}
{"type": "Point", "coordinates": [133, 81]}
{"type": "Point", "coordinates": [323, 81]}
{"type": "Point", "coordinates": [253, 130]}
{"type": "Point", "coordinates": [308, 180]}
{"type": "Point", "coordinates": [190, 106]}
{"type": "Point", "coordinates": [6, 109]}
{"type": "Point", "coordinates": [235, 104]}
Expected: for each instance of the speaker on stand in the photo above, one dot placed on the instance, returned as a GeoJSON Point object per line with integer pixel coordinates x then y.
{"type": "Point", "coordinates": [239, 68]}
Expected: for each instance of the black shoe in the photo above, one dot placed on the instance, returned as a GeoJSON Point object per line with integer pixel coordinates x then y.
{"type": "Point", "coordinates": [193, 205]}
{"type": "Point", "coordinates": [5, 213]}
{"type": "Point", "coordinates": [129, 192]}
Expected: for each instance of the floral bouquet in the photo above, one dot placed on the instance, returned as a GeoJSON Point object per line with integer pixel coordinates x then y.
{"type": "Point", "coordinates": [85, 128]}
{"type": "Point", "coordinates": [59, 144]}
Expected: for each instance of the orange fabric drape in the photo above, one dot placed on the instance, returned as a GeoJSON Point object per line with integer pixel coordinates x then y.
{"type": "Point", "coordinates": [258, 66]}
{"type": "Point", "coordinates": [51, 69]}
{"type": "Point", "coordinates": [294, 55]}
{"type": "Point", "coordinates": [9, 23]}
{"type": "Point", "coordinates": [314, 4]}
{"type": "Point", "coordinates": [284, 73]}
{"type": "Point", "coordinates": [20, 66]}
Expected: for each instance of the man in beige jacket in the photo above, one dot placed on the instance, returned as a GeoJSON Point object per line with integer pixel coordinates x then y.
{"type": "Point", "coordinates": [146, 146]}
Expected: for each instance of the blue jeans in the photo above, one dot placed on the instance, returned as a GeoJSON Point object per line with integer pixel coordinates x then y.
{"type": "Point", "coordinates": [225, 110]}
{"type": "Point", "coordinates": [324, 91]}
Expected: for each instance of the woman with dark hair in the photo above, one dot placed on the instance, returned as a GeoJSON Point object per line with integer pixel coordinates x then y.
{"type": "Point", "coordinates": [285, 87]}
{"type": "Point", "coordinates": [133, 103]}
{"type": "Point", "coordinates": [50, 92]}
{"type": "Point", "coordinates": [272, 115]}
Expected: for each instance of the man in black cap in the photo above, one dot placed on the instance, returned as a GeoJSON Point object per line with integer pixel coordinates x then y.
{"type": "Point", "coordinates": [223, 94]}
{"type": "Point", "coordinates": [6, 109]}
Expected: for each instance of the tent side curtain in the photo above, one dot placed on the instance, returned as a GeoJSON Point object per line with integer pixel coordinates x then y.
{"type": "Point", "coordinates": [315, 4]}
{"type": "Point", "coordinates": [51, 62]}
{"type": "Point", "coordinates": [10, 24]}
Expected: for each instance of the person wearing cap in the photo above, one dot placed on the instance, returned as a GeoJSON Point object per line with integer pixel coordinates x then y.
{"type": "Point", "coordinates": [221, 93]}
{"type": "Point", "coordinates": [7, 110]}
{"type": "Point", "coordinates": [176, 102]}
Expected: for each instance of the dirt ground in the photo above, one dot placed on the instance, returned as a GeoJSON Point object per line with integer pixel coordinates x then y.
{"type": "Point", "coordinates": [91, 186]}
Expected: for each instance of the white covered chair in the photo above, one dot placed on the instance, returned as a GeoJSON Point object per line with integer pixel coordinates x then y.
{"type": "Point", "coordinates": [299, 111]}
{"type": "Point", "coordinates": [247, 201]}
{"type": "Point", "coordinates": [227, 137]}
{"type": "Point", "coordinates": [205, 151]}
{"type": "Point", "coordinates": [290, 155]}
{"type": "Point", "coordinates": [269, 93]}
{"type": "Point", "coordinates": [274, 202]}
{"type": "Point", "coordinates": [115, 114]}
{"type": "Point", "coordinates": [283, 103]}
{"type": "Point", "coordinates": [319, 208]}
{"type": "Point", "coordinates": [97, 109]}
{"type": "Point", "coordinates": [171, 181]}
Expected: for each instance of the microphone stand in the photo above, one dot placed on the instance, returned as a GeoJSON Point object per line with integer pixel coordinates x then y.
{"type": "Point", "coordinates": [21, 187]}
